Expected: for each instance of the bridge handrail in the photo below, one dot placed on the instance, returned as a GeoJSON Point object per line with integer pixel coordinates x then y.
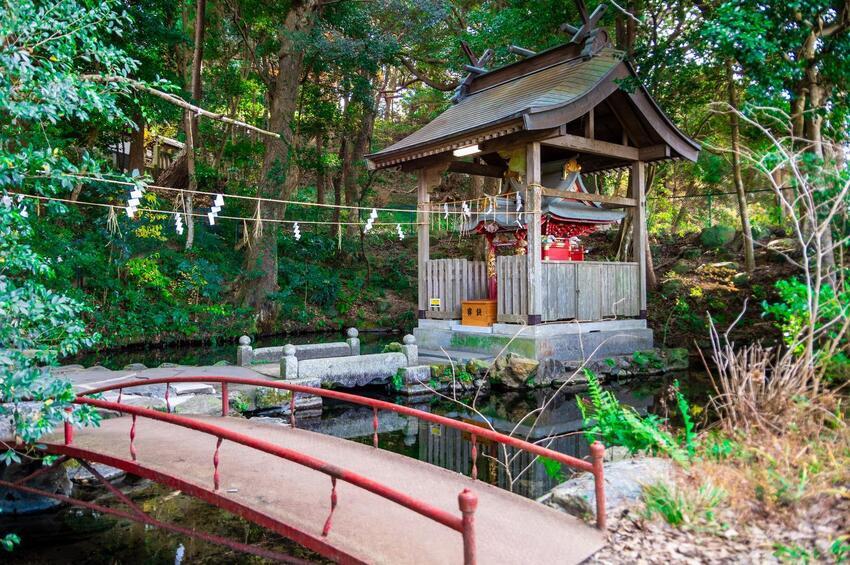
{"type": "Point", "coordinates": [597, 449]}
{"type": "Point", "coordinates": [467, 500]}
{"type": "Point", "coordinates": [437, 514]}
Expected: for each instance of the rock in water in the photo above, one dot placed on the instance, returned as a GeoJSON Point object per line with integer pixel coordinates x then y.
{"type": "Point", "coordinates": [624, 482]}
{"type": "Point", "coordinates": [513, 371]}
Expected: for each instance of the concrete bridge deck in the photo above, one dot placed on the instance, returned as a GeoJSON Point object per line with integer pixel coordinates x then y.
{"type": "Point", "coordinates": [509, 529]}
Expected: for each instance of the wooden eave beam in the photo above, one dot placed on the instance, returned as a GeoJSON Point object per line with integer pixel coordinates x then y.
{"type": "Point", "coordinates": [608, 149]}
{"type": "Point", "coordinates": [593, 146]}
{"type": "Point", "coordinates": [606, 201]}
{"type": "Point", "coordinates": [477, 169]}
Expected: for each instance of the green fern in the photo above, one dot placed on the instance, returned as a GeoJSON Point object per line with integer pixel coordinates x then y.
{"type": "Point", "coordinates": [606, 419]}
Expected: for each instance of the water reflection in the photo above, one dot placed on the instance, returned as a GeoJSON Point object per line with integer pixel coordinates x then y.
{"type": "Point", "coordinates": [558, 427]}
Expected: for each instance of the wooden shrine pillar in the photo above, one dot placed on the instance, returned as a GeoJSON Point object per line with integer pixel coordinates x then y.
{"type": "Point", "coordinates": [535, 243]}
{"type": "Point", "coordinates": [637, 179]}
{"type": "Point", "coordinates": [427, 179]}
{"type": "Point", "coordinates": [423, 201]}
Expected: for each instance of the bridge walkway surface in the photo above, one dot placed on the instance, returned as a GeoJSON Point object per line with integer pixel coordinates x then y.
{"type": "Point", "coordinates": [365, 527]}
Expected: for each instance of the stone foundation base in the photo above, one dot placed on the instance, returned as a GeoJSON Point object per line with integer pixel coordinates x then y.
{"type": "Point", "coordinates": [568, 341]}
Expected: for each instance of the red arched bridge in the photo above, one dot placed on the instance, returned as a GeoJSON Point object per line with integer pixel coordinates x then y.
{"type": "Point", "coordinates": [347, 501]}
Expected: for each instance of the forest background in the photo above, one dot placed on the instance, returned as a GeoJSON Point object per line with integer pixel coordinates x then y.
{"type": "Point", "coordinates": [84, 93]}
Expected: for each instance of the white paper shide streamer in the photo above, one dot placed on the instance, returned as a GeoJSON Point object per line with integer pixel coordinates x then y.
{"type": "Point", "coordinates": [134, 200]}
{"type": "Point", "coordinates": [400, 231]}
{"type": "Point", "coordinates": [373, 215]}
{"type": "Point", "coordinates": [216, 208]}
{"type": "Point", "coordinates": [178, 223]}
{"type": "Point", "coordinates": [296, 231]}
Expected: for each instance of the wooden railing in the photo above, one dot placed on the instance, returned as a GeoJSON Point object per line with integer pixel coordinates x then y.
{"type": "Point", "coordinates": [512, 289]}
{"type": "Point", "coordinates": [452, 281]}
{"type": "Point", "coordinates": [589, 290]}
{"type": "Point", "coordinates": [572, 290]}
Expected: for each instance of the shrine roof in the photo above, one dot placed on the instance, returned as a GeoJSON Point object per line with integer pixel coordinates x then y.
{"type": "Point", "coordinates": [544, 91]}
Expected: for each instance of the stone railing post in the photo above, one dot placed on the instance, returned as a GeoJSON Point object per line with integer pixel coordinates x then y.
{"type": "Point", "coordinates": [289, 363]}
{"type": "Point", "coordinates": [244, 352]}
{"type": "Point", "coordinates": [353, 341]}
{"type": "Point", "coordinates": [410, 350]}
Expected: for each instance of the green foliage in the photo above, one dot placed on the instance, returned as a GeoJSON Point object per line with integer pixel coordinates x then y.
{"type": "Point", "coordinates": [605, 418]}
{"type": "Point", "coordinates": [9, 541]}
{"type": "Point", "coordinates": [398, 380]}
{"type": "Point", "coordinates": [554, 469]}
{"type": "Point", "coordinates": [839, 552]}
{"type": "Point", "coordinates": [792, 314]}
{"type": "Point", "coordinates": [683, 507]}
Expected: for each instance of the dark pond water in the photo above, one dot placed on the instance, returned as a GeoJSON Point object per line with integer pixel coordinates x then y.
{"type": "Point", "coordinates": [75, 536]}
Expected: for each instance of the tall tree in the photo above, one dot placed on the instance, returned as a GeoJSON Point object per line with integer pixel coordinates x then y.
{"type": "Point", "coordinates": [280, 65]}
{"type": "Point", "coordinates": [190, 119]}
{"type": "Point", "coordinates": [737, 176]}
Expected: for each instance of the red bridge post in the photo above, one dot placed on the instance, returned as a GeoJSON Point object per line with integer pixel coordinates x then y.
{"type": "Point", "coordinates": [468, 502]}
{"type": "Point", "coordinates": [597, 454]}
{"type": "Point", "coordinates": [69, 428]}
{"type": "Point", "coordinates": [225, 400]}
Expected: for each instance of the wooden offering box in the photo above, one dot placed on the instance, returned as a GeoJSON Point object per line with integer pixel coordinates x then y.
{"type": "Point", "coordinates": [478, 312]}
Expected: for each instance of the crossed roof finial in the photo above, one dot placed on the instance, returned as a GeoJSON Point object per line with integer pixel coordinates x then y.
{"type": "Point", "coordinates": [588, 31]}
{"type": "Point", "coordinates": [477, 66]}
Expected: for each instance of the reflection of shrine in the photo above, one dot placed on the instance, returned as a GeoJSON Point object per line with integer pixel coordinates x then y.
{"type": "Point", "coordinates": [451, 449]}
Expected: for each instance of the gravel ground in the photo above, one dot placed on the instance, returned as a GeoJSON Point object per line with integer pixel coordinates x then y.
{"type": "Point", "coordinates": [811, 536]}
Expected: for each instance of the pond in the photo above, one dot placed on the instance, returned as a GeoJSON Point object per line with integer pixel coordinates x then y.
{"type": "Point", "coordinates": [73, 535]}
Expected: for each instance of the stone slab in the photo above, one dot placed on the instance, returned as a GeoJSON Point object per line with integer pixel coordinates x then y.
{"type": "Point", "coordinates": [355, 371]}
{"type": "Point", "coordinates": [416, 375]}
{"type": "Point", "coordinates": [191, 388]}
{"type": "Point", "coordinates": [568, 328]}
{"type": "Point", "coordinates": [438, 324]}
{"type": "Point", "coordinates": [303, 352]}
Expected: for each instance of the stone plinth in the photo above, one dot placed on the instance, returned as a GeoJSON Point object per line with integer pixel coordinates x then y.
{"type": "Point", "coordinates": [568, 341]}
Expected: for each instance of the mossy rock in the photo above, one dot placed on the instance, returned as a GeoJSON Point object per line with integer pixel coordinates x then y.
{"type": "Point", "coordinates": [680, 267]}
{"type": "Point", "coordinates": [760, 233]}
{"type": "Point", "coordinates": [672, 286]}
{"type": "Point", "coordinates": [514, 372]}
{"type": "Point", "coordinates": [478, 367]}
{"type": "Point", "coordinates": [717, 236]}
{"type": "Point", "coordinates": [392, 347]}
{"type": "Point", "coordinates": [691, 253]}
{"type": "Point", "coordinates": [271, 398]}
{"type": "Point", "coordinates": [741, 279]}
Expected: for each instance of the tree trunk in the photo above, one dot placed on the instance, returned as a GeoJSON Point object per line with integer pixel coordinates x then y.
{"type": "Point", "coordinates": [193, 138]}
{"type": "Point", "coordinates": [136, 158]}
{"type": "Point", "coordinates": [651, 279]}
{"type": "Point", "coordinates": [278, 175]}
{"type": "Point", "coordinates": [321, 173]}
{"type": "Point", "coordinates": [746, 229]}
{"type": "Point", "coordinates": [354, 155]}
{"type": "Point", "coordinates": [189, 201]}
